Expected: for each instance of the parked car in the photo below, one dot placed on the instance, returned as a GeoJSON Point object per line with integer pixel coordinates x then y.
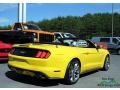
{"type": "Point", "coordinates": [79, 43]}
{"type": "Point", "coordinates": [102, 45]}
{"type": "Point", "coordinates": [4, 50]}
{"type": "Point", "coordinates": [67, 38]}
{"type": "Point", "coordinates": [113, 43]}
{"type": "Point", "coordinates": [58, 61]}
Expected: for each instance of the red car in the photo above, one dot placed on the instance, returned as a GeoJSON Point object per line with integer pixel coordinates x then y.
{"type": "Point", "coordinates": [102, 45]}
{"type": "Point", "coordinates": [4, 50]}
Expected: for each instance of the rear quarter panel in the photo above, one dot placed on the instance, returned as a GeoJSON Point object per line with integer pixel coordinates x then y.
{"type": "Point", "coordinates": [64, 55]}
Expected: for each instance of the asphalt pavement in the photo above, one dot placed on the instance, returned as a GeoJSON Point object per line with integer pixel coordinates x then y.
{"type": "Point", "coordinates": [96, 79]}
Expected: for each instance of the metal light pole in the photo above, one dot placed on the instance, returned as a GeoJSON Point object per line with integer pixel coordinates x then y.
{"type": "Point", "coordinates": [22, 12]}
{"type": "Point", "coordinates": [19, 12]}
{"type": "Point", "coordinates": [112, 19]}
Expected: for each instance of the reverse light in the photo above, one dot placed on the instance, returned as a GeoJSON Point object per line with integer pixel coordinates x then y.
{"type": "Point", "coordinates": [42, 54]}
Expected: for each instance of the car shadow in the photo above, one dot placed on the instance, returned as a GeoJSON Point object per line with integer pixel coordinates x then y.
{"type": "Point", "coordinates": [40, 82]}
{"type": "Point", "coordinates": [3, 61]}
{"type": "Point", "coordinates": [32, 80]}
{"type": "Point", "coordinates": [89, 73]}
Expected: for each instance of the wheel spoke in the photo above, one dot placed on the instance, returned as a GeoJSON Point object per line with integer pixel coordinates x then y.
{"type": "Point", "coordinates": [71, 73]}
{"type": "Point", "coordinates": [107, 63]}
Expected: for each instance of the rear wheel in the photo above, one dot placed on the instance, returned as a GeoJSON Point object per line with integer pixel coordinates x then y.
{"type": "Point", "coordinates": [73, 72]}
{"type": "Point", "coordinates": [106, 63]}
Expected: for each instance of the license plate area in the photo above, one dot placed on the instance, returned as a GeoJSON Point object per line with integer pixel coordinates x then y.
{"type": "Point", "coordinates": [25, 72]}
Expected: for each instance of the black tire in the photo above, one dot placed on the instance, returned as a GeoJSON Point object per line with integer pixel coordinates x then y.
{"type": "Point", "coordinates": [106, 64]}
{"type": "Point", "coordinates": [73, 72]}
{"type": "Point", "coordinates": [118, 51]}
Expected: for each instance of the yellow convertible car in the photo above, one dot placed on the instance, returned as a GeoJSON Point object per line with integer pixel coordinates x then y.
{"type": "Point", "coordinates": [55, 61]}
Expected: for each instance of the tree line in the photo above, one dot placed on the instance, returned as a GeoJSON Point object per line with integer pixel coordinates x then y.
{"type": "Point", "coordinates": [98, 24]}
{"type": "Point", "coordinates": [5, 27]}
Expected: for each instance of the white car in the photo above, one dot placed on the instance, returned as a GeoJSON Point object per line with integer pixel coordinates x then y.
{"type": "Point", "coordinates": [65, 37]}
{"type": "Point", "coordinates": [79, 43]}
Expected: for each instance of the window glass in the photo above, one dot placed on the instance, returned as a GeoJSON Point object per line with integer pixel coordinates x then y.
{"type": "Point", "coordinates": [115, 40]}
{"type": "Point", "coordinates": [105, 40]}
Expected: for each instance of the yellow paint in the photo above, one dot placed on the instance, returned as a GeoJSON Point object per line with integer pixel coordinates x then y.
{"type": "Point", "coordinates": [60, 57]}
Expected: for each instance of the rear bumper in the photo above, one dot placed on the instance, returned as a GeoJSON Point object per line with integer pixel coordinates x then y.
{"type": "Point", "coordinates": [40, 72]}
{"type": "Point", "coordinates": [34, 73]}
{"type": "Point", "coordinates": [50, 67]}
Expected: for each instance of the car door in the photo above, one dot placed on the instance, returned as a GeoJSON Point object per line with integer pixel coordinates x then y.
{"type": "Point", "coordinates": [92, 56]}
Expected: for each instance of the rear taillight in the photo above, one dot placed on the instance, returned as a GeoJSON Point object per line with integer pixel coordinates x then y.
{"type": "Point", "coordinates": [42, 54]}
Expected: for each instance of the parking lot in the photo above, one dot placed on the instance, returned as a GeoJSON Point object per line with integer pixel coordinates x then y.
{"type": "Point", "coordinates": [111, 78]}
